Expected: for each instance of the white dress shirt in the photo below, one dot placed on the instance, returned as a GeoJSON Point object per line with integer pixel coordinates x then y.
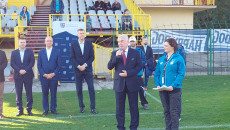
{"type": "Point", "coordinates": [82, 50]}
{"type": "Point", "coordinates": [81, 46]}
{"type": "Point", "coordinates": [48, 52]}
{"type": "Point", "coordinates": [145, 47]}
{"type": "Point", "coordinates": [22, 52]}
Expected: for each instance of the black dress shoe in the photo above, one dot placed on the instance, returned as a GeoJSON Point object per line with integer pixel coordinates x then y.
{"type": "Point", "coordinates": [45, 113]}
{"type": "Point", "coordinates": [82, 110]}
{"type": "Point", "coordinates": [30, 113]}
{"type": "Point", "coordinates": [20, 113]}
{"type": "Point", "coordinates": [54, 112]}
{"type": "Point", "coordinates": [94, 111]}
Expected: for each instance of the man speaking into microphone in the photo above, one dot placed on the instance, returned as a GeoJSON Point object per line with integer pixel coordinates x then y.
{"type": "Point", "coordinates": [127, 63]}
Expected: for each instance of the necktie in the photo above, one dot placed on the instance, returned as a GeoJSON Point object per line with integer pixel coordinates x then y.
{"type": "Point", "coordinates": [124, 57]}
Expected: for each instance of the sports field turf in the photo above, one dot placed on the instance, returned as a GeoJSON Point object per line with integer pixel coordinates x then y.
{"type": "Point", "coordinates": [205, 105]}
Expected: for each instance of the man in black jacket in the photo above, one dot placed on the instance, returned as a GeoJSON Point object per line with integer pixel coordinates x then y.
{"type": "Point", "coordinates": [99, 5]}
{"type": "Point", "coordinates": [3, 64]}
{"type": "Point", "coordinates": [149, 59]}
{"type": "Point", "coordinates": [82, 56]}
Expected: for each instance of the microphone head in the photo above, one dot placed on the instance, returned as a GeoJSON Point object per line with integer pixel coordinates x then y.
{"type": "Point", "coordinates": [120, 49]}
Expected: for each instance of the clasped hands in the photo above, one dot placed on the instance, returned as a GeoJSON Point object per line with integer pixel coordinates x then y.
{"type": "Point", "coordinates": [49, 76]}
{"type": "Point", "coordinates": [22, 72]}
{"type": "Point", "coordinates": [82, 67]}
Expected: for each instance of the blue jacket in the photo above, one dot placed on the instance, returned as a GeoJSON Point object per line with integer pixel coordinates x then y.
{"type": "Point", "coordinates": [143, 60]}
{"type": "Point", "coordinates": [27, 16]}
{"type": "Point", "coordinates": [53, 7]}
{"type": "Point", "coordinates": [175, 71]}
{"type": "Point", "coordinates": [52, 65]}
{"type": "Point", "coordinates": [27, 65]}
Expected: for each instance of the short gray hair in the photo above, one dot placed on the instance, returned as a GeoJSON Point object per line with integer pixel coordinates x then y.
{"type": "Point", "coordinates": [21, 39]}
{"type": "Point", "coordinates": [124, 36]}
{"type": "Point", "coordinates": [80, 29]}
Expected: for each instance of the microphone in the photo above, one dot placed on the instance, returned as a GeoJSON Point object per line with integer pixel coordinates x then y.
{"type": "Point", "coordinates": [120, 49]}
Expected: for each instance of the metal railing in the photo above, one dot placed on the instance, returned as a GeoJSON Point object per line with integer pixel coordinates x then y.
{"type": "Point", "coordinates": [138, 28]}
{"type": "Point", "coordinates": [18, 20]}
{"type": "Point", "coordinates": [103, 59]}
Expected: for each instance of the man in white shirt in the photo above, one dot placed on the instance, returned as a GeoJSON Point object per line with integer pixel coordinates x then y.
{"type": "Point", "coordinates": [82, 56]}
{"type": "Point", "coordinates": [49, 64]}
{"type": "Point", "coordinates": [22, 61]}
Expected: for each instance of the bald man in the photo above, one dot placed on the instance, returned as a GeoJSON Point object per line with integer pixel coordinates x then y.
{"type": "Point", "coordinates": [49, 64]}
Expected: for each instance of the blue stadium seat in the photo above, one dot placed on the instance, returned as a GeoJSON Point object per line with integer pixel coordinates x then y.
{"type": "Point", "coordinates": [74, 18]}
{"type": "Point", "coordinates": [104, 22]}
{"type": "Point", "coordinates": [3, 23]}
{"type": "Point", "coordinates": [95, 22]}
{"type": "Point", "coordinates": [113, 22]}
{"type": "Point", "coordinates": [81, 6]}
{"type": "Point", "coordinates": [92, 12]}
{"type": "Point", "coordinates": [109, 12]}
{"type": "Point", "coordinates": [11, 24]}
{"type": "Point", "coordinates": [13, 7]}
{"type": "Point", "coordinates": [100, 12]}
{"type": "Point", "coordinates": [89, 3]}
{"type": "Point", "coordinates": [118, 12]}
{"type": "Point", "coordinates": [33, 9]}
{"type": "Point", "coordinates": [9, 11]}
{"type": "Point", "coordinates": [119, 16]}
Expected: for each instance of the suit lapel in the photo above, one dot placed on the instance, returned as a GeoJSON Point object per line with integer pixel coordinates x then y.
{"type": "Point", "coordinates": [142, 48]}
{"type": "Point", "coordinates": [147, 49]}
{"type": "Point", "coordinates": [85, 48]}
{"type": "Point", "coordinates": [45, 55]}
{"type": "Point", "coordinates": [51, 54]}
{"type": "Point", "coordinates": [79, 48]}
{"type": "Point", "coordinates": [18, 55]}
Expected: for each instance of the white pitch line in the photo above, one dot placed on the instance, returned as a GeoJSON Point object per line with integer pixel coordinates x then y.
{"type": "Point", "coordinates": [193, 127]}
{"type": "Point", "coordinates": [153, 97]}
{"type": "Point", "coordinates": [80, 116]}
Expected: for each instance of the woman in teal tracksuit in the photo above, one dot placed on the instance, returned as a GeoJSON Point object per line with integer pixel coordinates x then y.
{"type": "Point", "coordinates": [170, 72]}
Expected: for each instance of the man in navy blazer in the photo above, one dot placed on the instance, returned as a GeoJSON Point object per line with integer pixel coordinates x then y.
{"type": "Point", "coordinates": [82, 56]}
{"type": "Point", "coordinates": [22, 61]}
{"type": "Point", "coordinates": [49, 64]}
{"type": "Point", "coordinates": [127, 64]}
{"type": "Point", "coordinates": [149, 59]}
{"type": "Point", "coordinates": [3, 64]}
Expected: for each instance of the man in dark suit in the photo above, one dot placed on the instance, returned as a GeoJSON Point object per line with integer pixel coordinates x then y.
{"type": "Point", "coordinates": [82, 56]}
{"type": "Point", "coordinates": [22, 61]}
{"type": "Point", "coordinates": [149, 60]}
{"type": "Point", "coordinates": [127, 64]}
{"type": "Point", "coordinates": [57, 7]}
{"type": "Point", "coordinates": [3, 64]}
{"type": "Point", "coordinates": [49, 64]}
